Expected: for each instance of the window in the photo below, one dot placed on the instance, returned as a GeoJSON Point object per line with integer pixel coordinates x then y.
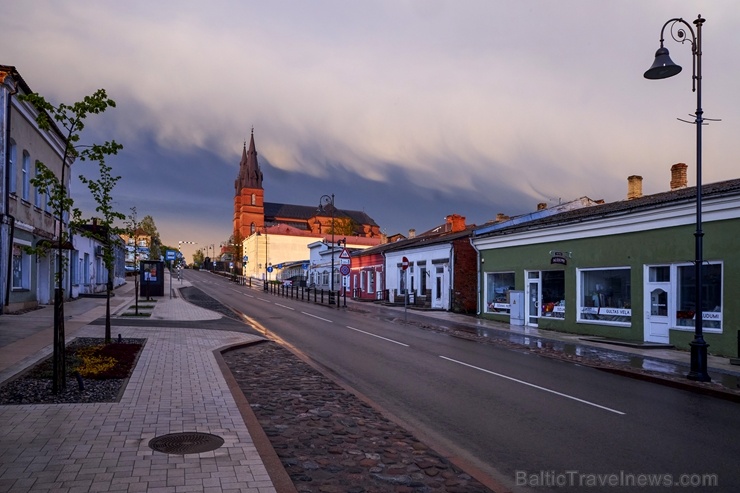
{"type": "Point", "coordinates": [38, 192]}
{"type": "Point", "coordinates": [21, 268]}
{"type": "Point", "coordinates": [254, 199]}
{"type": "Point", "coordinates": [74, 269]}
{"type": "Point", "coordinates": [711, 296]}
{"type": "Point", "coordinates": [498, 285]}
{"type": "Point", "coordinates": [422, 280]}
{"type": "Point", "coordinates": [86, 270]}
{"type": "Point", "coordinates": [12, 167]}
{"type": "Point", "coordinates": [401, 281]}
{"type": "Point", "coordinates": [553, 294]}
{"type": "Point", "coordinates": [26, 176]}
{"type": "Point", "coordinates": [371, 282]}
{"type": "Point", "coordinates": [605, 296]}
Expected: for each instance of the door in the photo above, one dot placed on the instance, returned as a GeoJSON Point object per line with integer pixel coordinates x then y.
{"type": "Point", "coordinates": [657, 303]}
{"type": "Point", "coordinates": [534, 301]}
{"type": "Point", "coordinates": [440, 298]}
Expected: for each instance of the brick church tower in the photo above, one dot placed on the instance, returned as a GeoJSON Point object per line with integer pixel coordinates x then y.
{"type": "Point", "coordinates": [249, 197]}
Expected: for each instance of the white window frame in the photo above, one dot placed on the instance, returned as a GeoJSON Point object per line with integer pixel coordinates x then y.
{"type": "Point", "coordinates": [491, 307]}
{"type": "Point", "coordinates": [13, 186]}
{"type": "Point", "coordinates": [24, 265]}
{"type": "Point", "coordinates": [26, 192]}
{"type": "Point", "coordinates": [579, 298]}
{"type": "Point", "coordinates": [707, 315]}
{"type": "Point", "coordinates": [38, 194]}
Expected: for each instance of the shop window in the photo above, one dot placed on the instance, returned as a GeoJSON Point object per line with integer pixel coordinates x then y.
{"type": "Point", "coordinates": [21, 268]}
{"type": "Point", "coordinates": [553, 294]}
{"type": "Point", "coordinates": [498, 285]}
{"type": "Point", "coordinates": [711, 296]}
{"type": "Point", "coordinates": [605, 296]}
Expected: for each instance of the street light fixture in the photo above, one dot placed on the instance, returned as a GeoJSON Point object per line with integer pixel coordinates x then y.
{"type": "Point", "coordinates": [324, 202]}
{"type": "Point", "coordinates": [662, 68]}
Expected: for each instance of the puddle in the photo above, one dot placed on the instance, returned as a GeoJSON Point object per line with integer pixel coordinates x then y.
{"type": "Point", "coordinates": [611, 356]}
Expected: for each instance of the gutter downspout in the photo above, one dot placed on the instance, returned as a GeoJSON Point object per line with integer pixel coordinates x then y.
{"type": "Point", "coordinates": [478, 273]}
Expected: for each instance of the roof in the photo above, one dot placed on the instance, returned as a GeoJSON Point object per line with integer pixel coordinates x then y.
{"type": "Point", "coordinates": [274, 210]}
{"type": "Point", "coordinates": [624, 207]}
{"type": "Point", "coordinates": [418, 242]}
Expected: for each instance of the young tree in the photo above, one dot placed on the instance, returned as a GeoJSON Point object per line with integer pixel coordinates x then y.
{"type": "Point", "coordinates": [133, 226]}
{"type": "Point", "coordinates": [101, 191]}
{"type": "Point", "coordinates": [70, 119]}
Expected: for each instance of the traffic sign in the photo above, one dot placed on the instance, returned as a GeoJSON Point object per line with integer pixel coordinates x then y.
{"type": "Point", "coordinates": [344, 254]}
{"type": "Point", "coordinates": [170, 255]}
{"type": "Point", "coordinates": [404, 263]}
{"type": "Point", "coordinates": [344, 269]}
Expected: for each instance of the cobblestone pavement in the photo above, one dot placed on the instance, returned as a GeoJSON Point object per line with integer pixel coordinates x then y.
{"type": "Point", "coordinates": [328, 439]}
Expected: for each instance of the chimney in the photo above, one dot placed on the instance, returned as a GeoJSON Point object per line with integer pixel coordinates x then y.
{"type": "Point", "coordinates": [542, 206]}
{"type": "Point", "coordinates": [412, 233]}
{"type": "Point", "coordinates": [678, 176]}
{"type": "Point", "coordinates": [500, 217]}
{"type": "Point", "coordinates": [383, 238]}
{"type": "Point", "coordinates": [456, 222]}
{"type": "Point", "coordinates": [634, 187]}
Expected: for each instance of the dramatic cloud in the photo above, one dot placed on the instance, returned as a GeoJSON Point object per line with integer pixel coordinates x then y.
{"type": "Point", "coordinates": [408, 110]}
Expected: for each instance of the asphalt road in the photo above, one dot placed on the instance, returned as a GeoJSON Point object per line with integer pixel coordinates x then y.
{"type": "Point", "coordinates": [531, 423]}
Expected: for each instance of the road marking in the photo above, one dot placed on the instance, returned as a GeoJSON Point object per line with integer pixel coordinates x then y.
{"type": "Point", "coordinates": [379, 337]}
{"type": "Point", "coordinates": [264, 299]}
{"type": "Point", "coordinates": [535, 386]}
{"type": "Point", "coordinates": [284, 306]}
{"type": "Point", "coordinates": [315, 316]}
{"type": "Point", "coordinates": [248, 295]}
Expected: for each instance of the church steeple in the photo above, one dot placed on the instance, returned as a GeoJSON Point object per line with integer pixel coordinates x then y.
{"type": "Point", "coordinates": [249, 209]}
{"type": "Point", "coordinates": [250, 175]}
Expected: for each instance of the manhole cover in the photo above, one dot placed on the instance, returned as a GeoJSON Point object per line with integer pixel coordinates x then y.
{"type": "Point", "coordinates": [186, 443]}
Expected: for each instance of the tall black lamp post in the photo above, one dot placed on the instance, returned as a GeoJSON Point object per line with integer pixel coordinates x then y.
{"type": "Point", "coordinates": [325, 201]}
{"type": "Point", "coordinates": [662, 68]}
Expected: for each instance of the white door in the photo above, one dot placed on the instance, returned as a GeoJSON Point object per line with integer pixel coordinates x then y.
{"type": "Point", "coordinates": [657, 303]}
{"type": "Point", "coordinates": [439, 291]}
{"type": "Point", "coordinates": [534, 301]}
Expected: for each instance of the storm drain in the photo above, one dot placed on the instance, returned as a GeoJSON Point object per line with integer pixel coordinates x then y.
{"type": "Point", "coordinates": [186, 443]}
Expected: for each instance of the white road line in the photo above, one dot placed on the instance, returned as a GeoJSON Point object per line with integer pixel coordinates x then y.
{"type": "Point", "coordinates": [314, 316]}
{"type": "Point", "coordinates": [265, 299]}
{"type": "Point", "coordinates": [534, 386]}
{"type": "Point", "coordinates": [248, 295]}
{"type": "Point", "coordinates": [284, 306]}
{"type": "Point", "coordinates": [379, 337]}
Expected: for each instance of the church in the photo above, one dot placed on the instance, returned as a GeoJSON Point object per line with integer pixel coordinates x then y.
{"type": "Point", "coordinates": [274, 234]}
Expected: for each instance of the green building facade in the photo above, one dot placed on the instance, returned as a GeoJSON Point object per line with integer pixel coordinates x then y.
{"type": "Point", "coordinates": [623, 270]}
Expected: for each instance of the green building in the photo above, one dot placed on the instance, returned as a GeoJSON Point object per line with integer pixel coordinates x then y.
{"type": "Point", "coordinates": [622, 270]}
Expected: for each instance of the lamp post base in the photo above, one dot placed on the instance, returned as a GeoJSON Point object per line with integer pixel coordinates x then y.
{"type": "Point", "coordinates": [698, 370]}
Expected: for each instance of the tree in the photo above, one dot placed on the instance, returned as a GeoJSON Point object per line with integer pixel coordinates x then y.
{"type": "Point", "coordinates": [101, 191]}
{"type": "Point", "coordinates": [155, 244]}
{"type": "Point", "coordinates": [71, 119]}
{"type": "Point", "coordinates": [133, 226]}
{"type": "Point", "coordinates": [198, 258]}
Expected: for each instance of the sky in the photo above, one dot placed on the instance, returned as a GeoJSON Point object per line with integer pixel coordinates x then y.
{"type": "Point", "coordinates": [408, 110]}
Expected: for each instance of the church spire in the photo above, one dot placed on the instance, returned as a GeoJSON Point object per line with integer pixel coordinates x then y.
{"type": "Point", "coordinates": [250, 175]}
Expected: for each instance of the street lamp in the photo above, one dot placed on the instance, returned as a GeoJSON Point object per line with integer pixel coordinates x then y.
{"type": "Point", "coordinates": [325, 201]}
{"type": "Point", "coordinates": [662, 68]}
